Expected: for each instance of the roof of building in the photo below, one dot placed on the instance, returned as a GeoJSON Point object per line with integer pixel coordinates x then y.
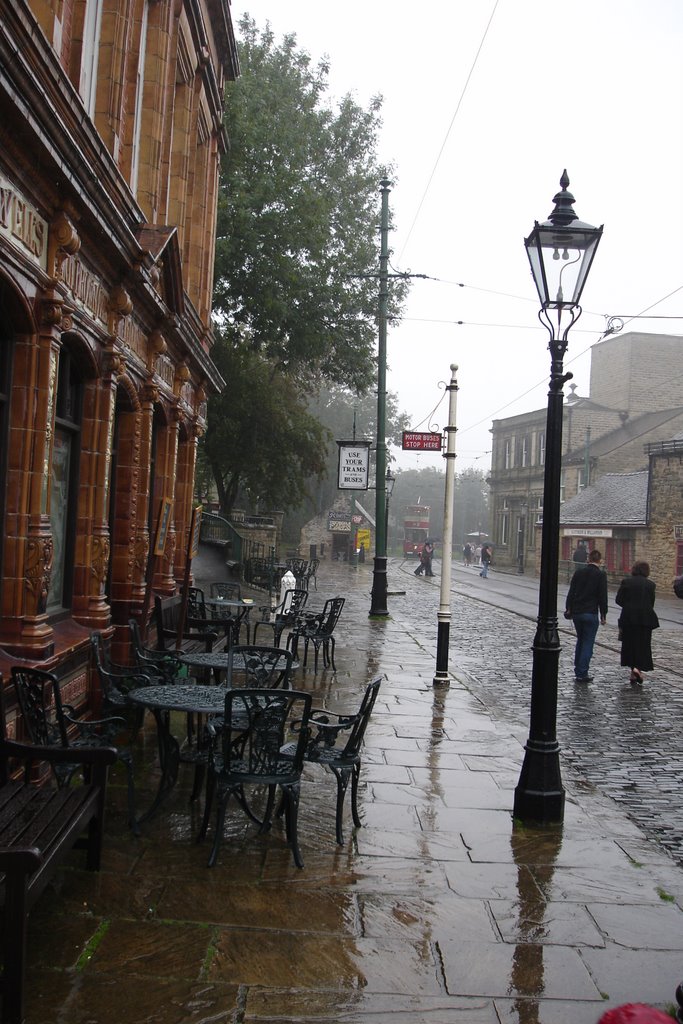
{"type": "Point", "coordinates": [630, 430]}
{"type": "Point", "coordinates": [615, 499]}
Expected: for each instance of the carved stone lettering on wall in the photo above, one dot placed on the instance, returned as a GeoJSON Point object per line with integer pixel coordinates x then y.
{"type": "Point", "coordinates": [39, 552]}
{"type": "Point", "coordinates": [134, 338]}
{"type": "Point", "coordinates": [21, 224]}
{"type": "Point", "coordinates": [165, 369]}
{"type": "Point", "coordinates": [86, 288]}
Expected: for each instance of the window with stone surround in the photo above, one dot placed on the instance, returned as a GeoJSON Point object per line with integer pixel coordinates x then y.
{"type": "Point", "coordinates": [64, 480]}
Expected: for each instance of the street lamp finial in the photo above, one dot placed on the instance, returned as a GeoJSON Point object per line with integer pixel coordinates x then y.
{"type": "Point", "coordinates": [564, 212]}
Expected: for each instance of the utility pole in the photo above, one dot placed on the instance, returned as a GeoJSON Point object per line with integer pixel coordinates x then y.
{"type": "Point", "coordinates": [378, 599]}
{"type": "Point", "coordinates": [444, 613]}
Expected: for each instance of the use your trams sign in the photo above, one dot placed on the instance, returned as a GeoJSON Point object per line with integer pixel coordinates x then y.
{"type": "Point", "coordinates": [354, 465]}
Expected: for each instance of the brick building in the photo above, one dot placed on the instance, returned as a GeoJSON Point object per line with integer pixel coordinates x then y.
{"type": "Point", "coordinates": [634, 399]}
{"type": "Point", "coordinates": [111, 131]}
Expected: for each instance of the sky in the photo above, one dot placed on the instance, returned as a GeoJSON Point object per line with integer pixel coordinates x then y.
{"type": "Point", "coordinates": [486, 102]}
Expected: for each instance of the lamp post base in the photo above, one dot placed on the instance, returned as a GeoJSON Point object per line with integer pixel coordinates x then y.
{"type": "Point", "coordinates": [443, 630]}
{"type": "Point", "coordinates": [378, 597]}
{"type": "Point", "coordinates": [539, 796]}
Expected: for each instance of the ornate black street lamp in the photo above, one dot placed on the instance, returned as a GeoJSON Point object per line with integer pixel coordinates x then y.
{"type": "Point", "coordinates": [560, 252]}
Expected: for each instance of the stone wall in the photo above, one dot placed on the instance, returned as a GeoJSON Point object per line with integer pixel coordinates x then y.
{"type": "Point", "coordinates": [665, 513]}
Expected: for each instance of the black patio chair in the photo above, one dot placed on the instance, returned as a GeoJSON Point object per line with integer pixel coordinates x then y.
{"type": "Point", "coordinates": [160, 666]}
{"type": "Point", "coordinates": [228, 620]}
{"type": "Point", "coordinates": [253, 758]}
{"type": "Point", "coordinates": [319, 631]}
{"type": "Point", "coordinates": [228, 591]}
{"type": "Point", "coordinates": [312, 573]}
{"type": "Point", "coordinates": [252, 667]}
{"type": "Point", "coordinates": [115, 682]}
{"type": "Point", "coordinates": [51, 723]}
{"type": "Point", "coordinates": [287, 614]}
{"type": "Point", "coordinates": [335, 743]}
{"type": "Point", "coordinates": [299, 567]}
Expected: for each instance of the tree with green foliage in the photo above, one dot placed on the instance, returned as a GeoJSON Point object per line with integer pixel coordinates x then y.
{"type": "Point", "coordinates": [297, 252]}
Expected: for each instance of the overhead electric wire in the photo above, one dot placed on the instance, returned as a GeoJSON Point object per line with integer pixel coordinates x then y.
{"type": "Point", "coordinates": [443, 144]}
{"type": "Point", "coordinates": [603, 334]}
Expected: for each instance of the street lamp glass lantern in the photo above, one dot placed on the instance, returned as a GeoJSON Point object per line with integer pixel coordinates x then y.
{"type": "Point", "coordinates": [561, 251]}
{"type": "Point", "coordinates": [389, 482]}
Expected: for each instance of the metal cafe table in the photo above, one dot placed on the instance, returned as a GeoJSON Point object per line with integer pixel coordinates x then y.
{"type": "Point", "coordinates": [216, 661]}
{"type": "Point", "coordinates": [189, 698]}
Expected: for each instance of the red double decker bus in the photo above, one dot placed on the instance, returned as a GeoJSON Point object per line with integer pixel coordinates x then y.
{"type": "Point", "coordinates": [415, 529]}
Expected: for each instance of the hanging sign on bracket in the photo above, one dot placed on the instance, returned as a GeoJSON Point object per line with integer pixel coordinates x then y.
{"type": "Point", "coordinates": [421, 441]}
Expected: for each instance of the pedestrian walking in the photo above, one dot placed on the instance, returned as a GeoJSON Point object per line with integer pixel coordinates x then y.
{"type": "Point", "coordinates": [427, 553]}
{"type": "Point", "coordinates": [586, 606]}
{"type": "Point", "coordinates": [580, 553]}
{"type": "Point", "coordinates": [425, 565]}
{"type": "Point", "coordinates": [485, 561]}
{"type": "Point", "coordinates": [636, 598]}
{"type": "Point", "coordinates": [467, 554]}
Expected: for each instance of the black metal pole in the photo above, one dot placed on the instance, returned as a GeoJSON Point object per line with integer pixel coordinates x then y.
{"type": "Point", "coordinates": [539, 796]}
{"type": "Point", "coordinates": [378, 599]}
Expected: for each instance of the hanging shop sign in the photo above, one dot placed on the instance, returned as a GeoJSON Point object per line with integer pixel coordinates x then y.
{"type": "Point", "coordinates": [421, 441]}
{"type": "Point", "coordinates": [354, 465]}
{"type": "Point", "coordinates": [339, 521]}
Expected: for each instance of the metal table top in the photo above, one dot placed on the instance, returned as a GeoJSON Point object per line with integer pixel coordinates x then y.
{"type": "Point", "coordinates": [202, 700]}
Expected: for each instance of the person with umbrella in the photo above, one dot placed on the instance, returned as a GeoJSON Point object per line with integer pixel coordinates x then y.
{"type": "Point", "coordinates": [425, 565]}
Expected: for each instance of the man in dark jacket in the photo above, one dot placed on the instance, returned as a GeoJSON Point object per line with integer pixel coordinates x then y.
{"type": "Point", "coordinates": [586, 605]}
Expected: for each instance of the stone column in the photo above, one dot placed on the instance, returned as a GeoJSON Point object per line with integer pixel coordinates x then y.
{"type": "Point", "coordinates": [28, 542]}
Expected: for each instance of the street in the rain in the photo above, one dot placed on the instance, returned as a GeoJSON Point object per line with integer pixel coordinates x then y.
{"type": "Point", "coordinates": [625, 740]}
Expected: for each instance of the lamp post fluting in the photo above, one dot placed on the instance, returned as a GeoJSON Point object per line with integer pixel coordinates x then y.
{"type": "Point", "coordinates": [378, 598]}
{"type": "Point", "coordinates": [560, 251]}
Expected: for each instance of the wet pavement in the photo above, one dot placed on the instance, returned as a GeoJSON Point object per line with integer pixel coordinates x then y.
{"type": "Point", "coordinates": [438, 909]}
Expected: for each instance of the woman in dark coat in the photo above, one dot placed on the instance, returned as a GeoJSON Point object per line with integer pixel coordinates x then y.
{"type": "Point", "coordinates": [636, 596]}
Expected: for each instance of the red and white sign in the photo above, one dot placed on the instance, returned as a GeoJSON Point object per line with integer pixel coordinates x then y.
{"type": "Point", "coordinates": [421, 441]}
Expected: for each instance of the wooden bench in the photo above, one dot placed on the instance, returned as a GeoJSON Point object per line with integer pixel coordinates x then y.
{"type": "Point", "coordinates": [197, 634]}
{"type": "Point", "coordinates": [39, 826]}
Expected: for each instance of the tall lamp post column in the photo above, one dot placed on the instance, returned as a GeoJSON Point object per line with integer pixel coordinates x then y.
{"type": "Point", "coordinates": [378, 598]}
{"type": "Point", "coordinates": [560, 251]}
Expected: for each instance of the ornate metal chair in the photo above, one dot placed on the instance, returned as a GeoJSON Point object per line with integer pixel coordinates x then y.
{"type": "Point", "coordinates": [298, 566]}
{"type": "Point", "coordinates": [264, 719]}
{"type": "Point", "coordinates": [230, 622]}
{"type": "Point", "coordinates": [252, 667]}
{"type": "Point", "coordinates": [335, 743]}
{"type": "Point", "coordinates": [51, 723]}
{"type": "Point", "coordinates": [116, 681]}
{"type": "Point", "coordinates": [287, 614]}
{"type": "Point", "coordinates": [312, 573]}
{"type": "Point", "coordinates": [161, 666]}
{"type": "Point", "coordinates": [318, 630]}
{"type": "Point", "coordinates": [228, 591]}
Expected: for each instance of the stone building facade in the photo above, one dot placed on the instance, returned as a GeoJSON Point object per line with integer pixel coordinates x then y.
{"type": "Point", "coordinates": [632, 517]}
{"type": "Point", "coordinates": [633, 400]}
{"type": "Point", "coordinates": [111, 133]}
